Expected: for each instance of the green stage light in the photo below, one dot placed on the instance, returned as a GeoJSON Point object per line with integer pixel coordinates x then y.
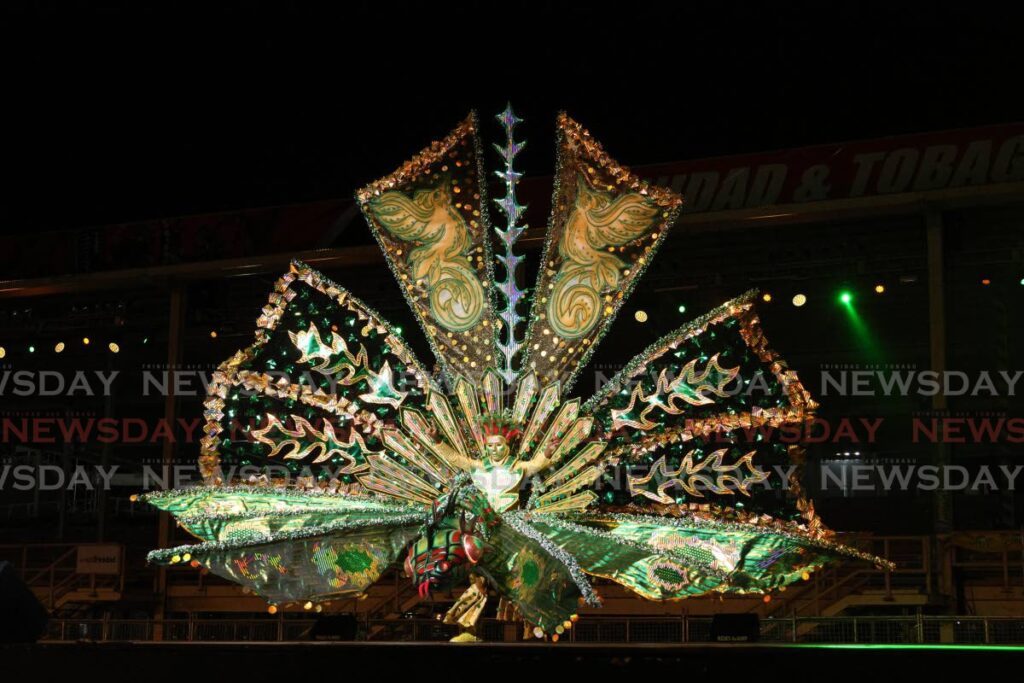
{"type": "Point", "coordinates": [682, 308]}
{"type": "Point", "coordinates": [864, 339]}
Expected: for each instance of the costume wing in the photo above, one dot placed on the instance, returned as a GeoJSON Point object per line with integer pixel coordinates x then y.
{"type": "Point", "coordinates": [313, 392]}
{"type": "Point", "coordinates": [696, 490]}
{"type": "Point", "coordinates": [301, 415]}
{"type": "Point", "coordinates": [288, 545]}
{"type": "Point", "coordinates": [702, 418]}
{"type": "Point", "coordinates": [430, 218]}
{"type": "Point", "coordinates": [668, 558]}
{"type": "Point", "coordinates": [598, 207]}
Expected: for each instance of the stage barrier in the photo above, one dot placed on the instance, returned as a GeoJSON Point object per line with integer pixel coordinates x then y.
{"type": "Point", "coordinates": [908, 630]}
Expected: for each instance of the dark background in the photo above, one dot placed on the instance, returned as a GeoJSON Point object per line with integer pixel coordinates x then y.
{"type": "Point", "coordinates": [127, 111]}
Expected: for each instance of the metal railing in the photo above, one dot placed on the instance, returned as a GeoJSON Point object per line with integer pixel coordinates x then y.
{"type": "Point", "coordinates": [902, 630]}
{"type": "Point", "coordinates": [50, 571]}
{"type": "Point", "coordinates": [913, 572]}
{"type": "Point", "coordinates": [199, 630]}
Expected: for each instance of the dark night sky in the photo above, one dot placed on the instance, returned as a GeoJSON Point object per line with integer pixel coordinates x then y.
{"type": "Point", "coordinates": [114, 115]}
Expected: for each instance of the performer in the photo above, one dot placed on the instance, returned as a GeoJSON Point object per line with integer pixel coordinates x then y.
{"type": "Point", "coordinates": [489, 472]}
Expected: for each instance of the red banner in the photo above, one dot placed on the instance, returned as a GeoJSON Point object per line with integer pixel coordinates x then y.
{"type": "Point", "coordinates": [913, 163]}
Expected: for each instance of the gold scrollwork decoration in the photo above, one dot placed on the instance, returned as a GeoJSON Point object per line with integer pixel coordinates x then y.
{"type": "Point", "coordinates": [588, 270]}
{"type": "Point", "coordinates": [441, 258]}
{"type": "Point", "coordinates": [710, 474]}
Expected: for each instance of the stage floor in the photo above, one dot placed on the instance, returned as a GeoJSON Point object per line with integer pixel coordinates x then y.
{"type": "Point", "coordinates": [145, 662]}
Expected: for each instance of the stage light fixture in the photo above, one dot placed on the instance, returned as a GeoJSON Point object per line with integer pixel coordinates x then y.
{"type": "Point", "coordinates": [85, 340]}
{"type": "Point", "coordinates": [986, 282]}
{"type": "Point", "coordinates": [879, 289]}
{"type": "Point", "coordinates": [114, 348]}
{"type": "Point", "coordinates": [641, 316]}
{"type": "Point", "coordinates": [682, 308]}
{"type": "Point", "coordinates": [799, 300]}
{"type": "Point", "coordinates": [59, 347]}
{"type": "Point", "coordinates": [845, 297]}
{"type": "Point", "coordinates": [766, 297]}
{"type": "Point", "coordinates": [213, 334]}
{"type": "Point", "coordinates": [3, 352]}
{"type": "Point", "coordinates": [31, 349]}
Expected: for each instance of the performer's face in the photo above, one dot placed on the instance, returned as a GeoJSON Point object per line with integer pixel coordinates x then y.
{"type": "Point", "coordinates": [496, 447]}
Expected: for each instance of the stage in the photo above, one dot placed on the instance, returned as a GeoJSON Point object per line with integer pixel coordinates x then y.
{"type": "Point", "coordinates": [136, 661]}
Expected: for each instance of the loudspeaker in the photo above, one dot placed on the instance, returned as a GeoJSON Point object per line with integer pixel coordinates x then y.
{"type": "Point", "coordinates": [22, 617]}
{"type": "Point", "coordinates": [735, 628]}
{"type": "Point", "coordinates": [334, 627]}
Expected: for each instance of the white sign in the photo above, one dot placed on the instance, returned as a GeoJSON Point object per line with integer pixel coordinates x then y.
{"type": "Point", "coordinates": [95, 558]}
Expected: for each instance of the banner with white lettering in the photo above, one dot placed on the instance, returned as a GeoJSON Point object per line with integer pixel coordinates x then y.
{"type": "Point", "coordinates": [913, 163]}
